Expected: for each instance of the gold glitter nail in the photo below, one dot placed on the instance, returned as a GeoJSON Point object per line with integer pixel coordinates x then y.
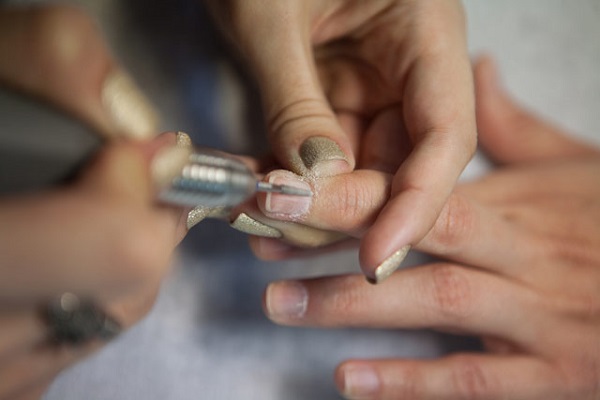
{"type": "Point", "coordinates": [390, 264]}
{"type": "Point", "coordinates": [131, 113]}
{"type": "Point", "coordinates": [199, 213]}
{"type": "Point", "coordinates": [321, 155]}
{"type": "Point", "coordinates": [245, 223]}
{"type": "Point", "coordinates": [184, 140]}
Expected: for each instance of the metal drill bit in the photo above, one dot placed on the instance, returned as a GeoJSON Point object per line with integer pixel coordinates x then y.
{"type": "Point", "coordinates": [283, 189]}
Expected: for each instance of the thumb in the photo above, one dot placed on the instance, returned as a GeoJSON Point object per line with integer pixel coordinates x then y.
{"type": "Point", "coordinates": [511, 134]}
{"type": "Point", "coordinates": [304, 132]}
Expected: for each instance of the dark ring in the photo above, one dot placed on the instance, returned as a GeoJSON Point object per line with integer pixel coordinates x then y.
{"type": "Point", "coordinates": [73, 321]}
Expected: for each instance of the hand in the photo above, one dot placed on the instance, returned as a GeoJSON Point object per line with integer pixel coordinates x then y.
{"type": "Point", "coordinates": [378, 85]}
{"type": "Point", "coordinates": [531, 234]}
{"type": "Point", "coordinates": [103, 236]}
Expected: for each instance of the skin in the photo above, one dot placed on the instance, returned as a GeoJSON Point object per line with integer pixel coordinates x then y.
{"type": "Point", "coordinates": [113, 243]}
{"type": "Point", "coordinates": [522, 269]}
{"type": "Point", "coordinates": [389, 82]}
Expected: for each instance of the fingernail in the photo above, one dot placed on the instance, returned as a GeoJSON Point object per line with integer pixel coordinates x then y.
{"type": "Point", "coordinates": [286, 300]}
{"type": "Point", "coordinates": [360, 382]}
{"type": "Point", "coordinates": [283, 204]}
{"type": "Point", "coordinates": [247, 224]}
{"type": "Point", "coordinates": [200, 213]}
{"type": "Point", "coordinates": [183, 139]}
{"type": "Point", "coordinates": [131, 113]}
{"type": "Point", "coordinates": [323, 157]}
{"type": "Point", "coordinates": [389, 265]}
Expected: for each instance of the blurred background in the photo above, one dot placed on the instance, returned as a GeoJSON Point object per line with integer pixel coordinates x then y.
{"type": "Point", "coordinates": [207, 337]}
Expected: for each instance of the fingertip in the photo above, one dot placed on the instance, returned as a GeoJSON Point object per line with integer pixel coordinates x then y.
{"type": "Point", "coordinates": [286, 302]}
{"type": "Point", "coordinates": [379, 260]}
{"type": "Point", "coordinates": [283, 206]}
{"type": "Point", "coordinates": [338, 377]}
{"type": "Point", "coordinates": [404, 221]}
{"type": "Point", "coordinates": [357, 380]}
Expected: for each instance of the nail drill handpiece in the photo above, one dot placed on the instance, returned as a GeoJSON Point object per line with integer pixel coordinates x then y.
{"type": "Point", "coordinates": [212, 178]}
{"type": "Point", "coordinates": [40, 147]}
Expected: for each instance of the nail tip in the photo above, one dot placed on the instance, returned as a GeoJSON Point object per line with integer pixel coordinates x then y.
{"type": "Point", "coordinates": [391, 264]}
{"type": "Point", "coordinates": [183, 139]}
{"type": "Point", "coordinates": [200, 213]}
{"type": "Point", "coordinates": [130, 111]}
{"type": "Point", "coordinates": [246, 224]}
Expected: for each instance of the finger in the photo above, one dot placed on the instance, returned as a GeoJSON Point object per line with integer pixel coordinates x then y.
{"type": "Point", "coordinates": [440, 296]}
{"type": "Point", "coordinates": [305, 134]}
{"type": "Point", "coordinates": [540, 183]}
{"type": "Point", "coordinates": [111, 235]}
{"type": "Point", "coordinates": [440, 120]}
{"type": "Point", "coordinates": [58, 54]}
{"type": "Point", "coordinates": [474, 234]}
{"type": "Point", "coordinates": [464, 376]}
{"type": "Point", "coordinates": [511, 134]}
{"type": "Point", "coordinates": [37, 358]}
{"type": "Point", "coordinates": [21, 326]}
{"type": "Point", "coordinates": [251, 221]}
{"type": "Point", "coordinates": [38, 366]}
{"type": "Point", "coordinates": [347, 203]}
{"type": "Point", "coordinates": [35, 393]}
{"type": "Point", "coordinates": [269, 249]}
{"type": "Point", "coordinates": [465, 231]}
{"type": "Point", "coordinates": [386, 143]}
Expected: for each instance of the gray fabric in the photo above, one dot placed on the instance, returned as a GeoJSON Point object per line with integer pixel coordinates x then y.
{"type": "Point", "coordinates": [207, 338]}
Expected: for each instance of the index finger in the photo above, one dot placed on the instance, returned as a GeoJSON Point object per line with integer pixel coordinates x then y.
{"type": "Point", "coordinates": [439, 114]}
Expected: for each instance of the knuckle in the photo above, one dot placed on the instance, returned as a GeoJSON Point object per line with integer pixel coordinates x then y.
{"type": "Point", "coordinates": [343, 301]}
{"type": "Point", "coordinates": [452, 292]}
{"type": "Point", "coordinates": [585, 307]}
{"type": "Point", "coordinates": [408, 387]}
{"type": "Point", "coordinates": [300, 115]}
{"type": "Point", "coordinates": [572, 252]}
{"type": "Point", "coordinates": [454, 225]}
{"type": "Point", "coordinates": [470, 380]}
{"type": "Point", "coordinates": [580, 379]}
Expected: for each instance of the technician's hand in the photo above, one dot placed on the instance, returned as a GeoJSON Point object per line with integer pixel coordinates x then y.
{"type": "Point", "coordinates": [529, 234]}
{"type": "Point", "coordinates": [102, 237]}
{"type": "Point", "coordinates": [363, 85]}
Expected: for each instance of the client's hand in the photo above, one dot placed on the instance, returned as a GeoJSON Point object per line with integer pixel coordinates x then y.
{"type": "Point", "coordinates": [380, 85]}
{"type": "Point", "coordinates": [529, 236]}
{"type": "Point", "coordinates": [102, 237]}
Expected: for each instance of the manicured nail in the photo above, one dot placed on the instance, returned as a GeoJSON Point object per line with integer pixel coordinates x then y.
{"type": "Point", "coordinates": [389, 265]}
{"type": "Point", "coordinates": [286, 300]}
{"type": "Point", "coordinates": [200, 213]}
{"type": "Point", "coordinates": [360, 382]}
{"type": "Point", "coordinates": [247, 224]}
{"type": "Point", "coordinates": [183, 139]}
{"type": "Point", "coordinates": [323, 157]}
{"type": "Point", "coordinates": [283, 204]}
{"type": "Point", "coordinates": [131, 113]}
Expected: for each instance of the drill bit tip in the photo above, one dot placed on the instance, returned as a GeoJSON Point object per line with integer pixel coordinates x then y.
{"type": "Point", "coordinates": [283, 189]}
